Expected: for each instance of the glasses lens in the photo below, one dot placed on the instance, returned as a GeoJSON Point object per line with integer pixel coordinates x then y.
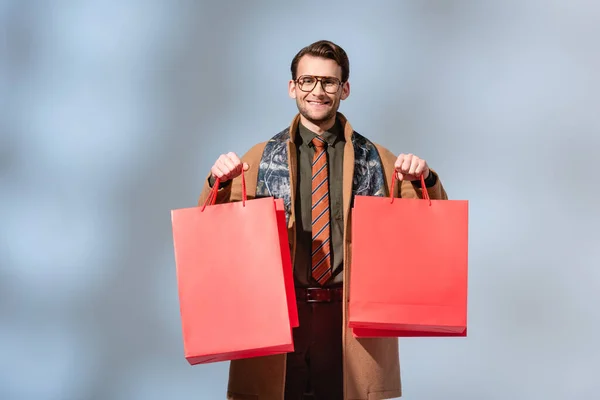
{"type": "Point", "coordinates": [307, 83]}
{"type": "Point", "coordinates": [331, 85]}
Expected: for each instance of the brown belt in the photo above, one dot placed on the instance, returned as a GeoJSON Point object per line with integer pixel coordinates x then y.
{"type": "Point", "coordinates": [319, 295]}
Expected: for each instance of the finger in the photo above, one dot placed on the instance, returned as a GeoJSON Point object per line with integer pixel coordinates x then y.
{"type": "Point", "coordinates": [406, 163]}
{"type": "Point", "coordinates": [246, 167]}
{"type": "Point", "coordinates": [426, 171]}
{"type": "Point", "coordinates": [239, 165]}
{"type": "Point", "coordinates": [399, 161]}
{"type": "Point", "coordinates": [233, 157]}
{"type": "Point", "coordinates": [414, 163]}
{"type": "Point", "coordinates": [236, 161]}
{"type": "Point", "coordinates": [225, 170]}
{"type": "Point", "coordinates": [229, 163]}
{"type": "Point", "coordinates": [216, 172]}
{"type": "Point", "coordinates": [399, 176]}
{"type": "Point", "coordinates": [419, 168]}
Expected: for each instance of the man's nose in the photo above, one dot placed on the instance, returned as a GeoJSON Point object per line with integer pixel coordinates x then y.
{"type": "Point", "coordinates": [318, 89]}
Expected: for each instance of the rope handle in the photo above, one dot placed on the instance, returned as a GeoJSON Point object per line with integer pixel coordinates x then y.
{"type": "Point", "coordinates": [424, 189]}
{"type": "Point", "coordinates": [212, 197]}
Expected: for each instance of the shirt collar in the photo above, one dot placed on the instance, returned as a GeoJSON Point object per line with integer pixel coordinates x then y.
{"type": "Point", "coordinates": [331, 136]}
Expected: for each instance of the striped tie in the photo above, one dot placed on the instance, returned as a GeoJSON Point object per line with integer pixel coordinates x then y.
{"type": "Point", "coordinates": [321, 239]}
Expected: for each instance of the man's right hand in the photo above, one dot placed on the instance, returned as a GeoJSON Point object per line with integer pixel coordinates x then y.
{"type": "Point", "coordinates": [227, 167]}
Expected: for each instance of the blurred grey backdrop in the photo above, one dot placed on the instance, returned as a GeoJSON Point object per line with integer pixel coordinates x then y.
{"type": "Point", "coordinates": [112, 113]}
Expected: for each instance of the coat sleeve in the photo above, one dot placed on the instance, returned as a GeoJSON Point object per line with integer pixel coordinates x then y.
{"type": "Point", "coordinates": [233, 191]}
{"type": "Point", "coordinates": [409, 190]}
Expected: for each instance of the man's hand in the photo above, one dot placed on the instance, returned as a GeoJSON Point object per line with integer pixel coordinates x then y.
{"type": "Point", "coordinates": [228, 166]}
{"type": "Point", "coordinates": [410, 167]}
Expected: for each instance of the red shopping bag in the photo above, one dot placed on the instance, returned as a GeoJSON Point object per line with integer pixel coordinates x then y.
{"type": "Point", "coordinates": [288, 271]}
{"type": "Point", "coordinates": [235, 280]}
{"type": "Point", "coordinates": [409, 268]}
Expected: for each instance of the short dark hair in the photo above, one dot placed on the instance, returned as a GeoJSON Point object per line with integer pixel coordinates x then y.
{"type": "Point", "coordinates": [324, 49]}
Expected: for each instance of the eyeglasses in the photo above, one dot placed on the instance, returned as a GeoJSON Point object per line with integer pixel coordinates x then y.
{"type": "Point", "coordinates": [307, 83]}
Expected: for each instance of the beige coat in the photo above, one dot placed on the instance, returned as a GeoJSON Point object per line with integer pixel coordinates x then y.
{"type": "Point", "coordinates": [371, 366]}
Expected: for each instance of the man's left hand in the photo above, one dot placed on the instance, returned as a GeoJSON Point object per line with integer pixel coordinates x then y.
{"type": "Point", "coordinates": [410, 167]}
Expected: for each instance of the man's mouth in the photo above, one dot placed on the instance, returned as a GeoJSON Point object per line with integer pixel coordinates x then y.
{"type": "Point", "coordinates": [317, 103]}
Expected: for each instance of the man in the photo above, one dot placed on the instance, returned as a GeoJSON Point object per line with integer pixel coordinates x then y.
{"type": "Point", "coordinates": [317, 165]}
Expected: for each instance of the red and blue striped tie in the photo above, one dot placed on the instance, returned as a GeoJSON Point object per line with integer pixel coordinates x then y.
{"type": "Point", "coordinates": [321, 238]}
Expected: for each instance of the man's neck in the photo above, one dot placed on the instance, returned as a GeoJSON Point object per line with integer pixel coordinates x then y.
{"type": "Point", "coordinates": [319, 128]}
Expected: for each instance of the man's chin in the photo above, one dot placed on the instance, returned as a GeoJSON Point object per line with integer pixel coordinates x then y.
{"type": "Point", "coordinates": [320, 118]}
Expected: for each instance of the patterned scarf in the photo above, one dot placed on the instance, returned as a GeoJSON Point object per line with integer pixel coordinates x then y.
{"type": "Point", "coordinates": [274, 174]}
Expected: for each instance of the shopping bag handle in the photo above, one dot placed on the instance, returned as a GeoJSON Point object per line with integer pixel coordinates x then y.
{"type": "Point", "coordinates": [212, 197]}
{"type": "Point", "coordinates": [424, 188]}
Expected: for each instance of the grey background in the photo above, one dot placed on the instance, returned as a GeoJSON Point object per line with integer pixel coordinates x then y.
{"type": "Point", "coordinates": [112, 113]}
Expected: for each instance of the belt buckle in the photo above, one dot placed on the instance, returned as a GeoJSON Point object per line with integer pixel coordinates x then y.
{"type": "Point", "coordinates": [324, 296]}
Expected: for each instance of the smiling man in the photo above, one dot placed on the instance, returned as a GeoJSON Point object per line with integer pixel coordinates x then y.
{"type": "Point", "coordinates": [317, 165]}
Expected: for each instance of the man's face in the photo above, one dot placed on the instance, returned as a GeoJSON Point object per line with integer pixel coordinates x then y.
{"type": "Point", "coordinates": [318, 105]}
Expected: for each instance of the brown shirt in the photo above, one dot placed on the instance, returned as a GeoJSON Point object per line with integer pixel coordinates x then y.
{"type": "Point", "coordinates": [335, 160]}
